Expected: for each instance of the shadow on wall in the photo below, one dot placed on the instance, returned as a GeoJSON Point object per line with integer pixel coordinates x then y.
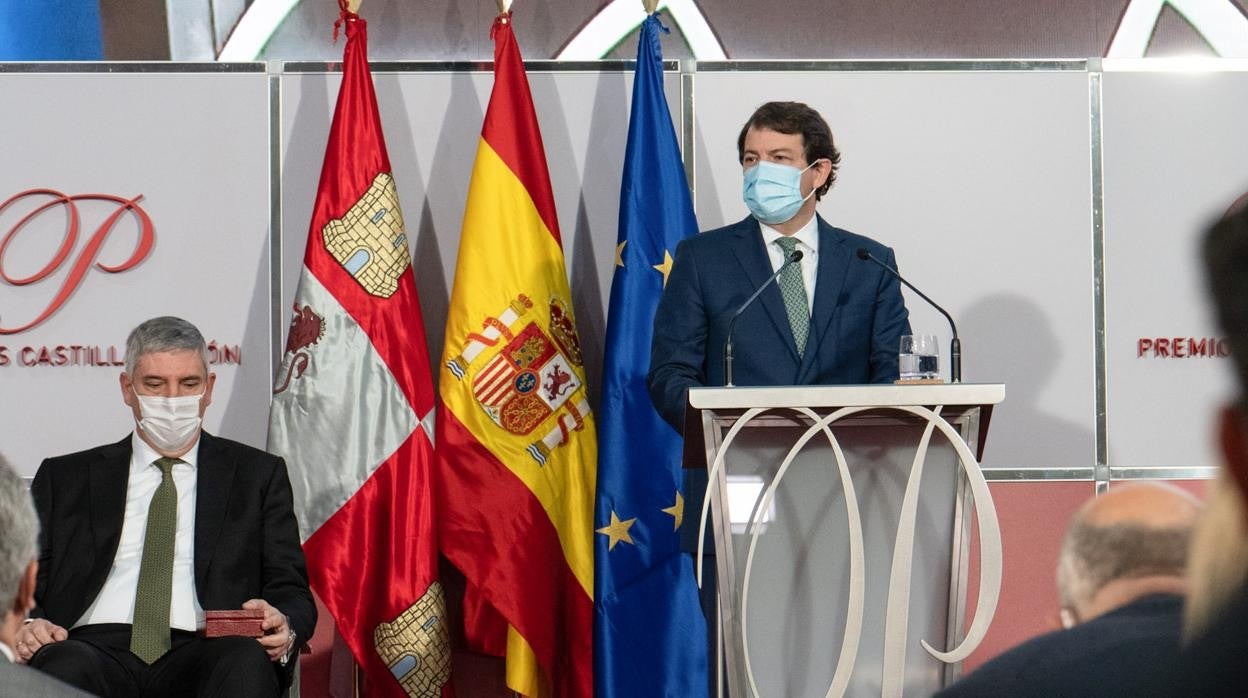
{"type": "Point", "coordinates": [436, 249]}
{"type": "Point", "coordinates": [1025, 431]}
{"type": "Point", "coordinates": [592, 247]}
{"type": "Point", "coordinates": [705, 194]}
{"type": "Point", "coordinates": [432, 280]}
{"type": "Point", "coordinates": [238, 414]}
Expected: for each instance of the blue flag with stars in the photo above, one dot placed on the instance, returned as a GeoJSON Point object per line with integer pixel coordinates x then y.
{"type": "Point", "coordinates": [649, 631]}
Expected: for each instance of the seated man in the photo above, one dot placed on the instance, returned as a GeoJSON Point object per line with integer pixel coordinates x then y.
{"type": "Point", "coordinates": [19, 543]}
{"type": "Point", "coordinates": [142, 536]}
{"type": "Point", "coordinates": [1120, 578]}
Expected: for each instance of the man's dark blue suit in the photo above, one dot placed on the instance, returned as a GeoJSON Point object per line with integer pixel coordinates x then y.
{"type": "Point", "coordinates": [1098, 659]}
{"type": "Point", "coordinates": [857, 320]}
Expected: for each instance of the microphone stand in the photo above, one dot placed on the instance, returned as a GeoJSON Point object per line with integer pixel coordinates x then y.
{"type": "Point", "coordinates": [955, 344]}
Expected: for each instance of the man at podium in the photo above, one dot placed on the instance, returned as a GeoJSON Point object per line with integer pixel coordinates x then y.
{"type": "Point", "coordinates": [828, 318]}
{"type": "Point", "coordinates": [824, 316]}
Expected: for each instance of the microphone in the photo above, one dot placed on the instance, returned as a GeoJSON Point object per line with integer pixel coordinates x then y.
{"type": "Point", "coordinates": [955, 345]}
{"type": "Point", "coordinates": [793, 259]}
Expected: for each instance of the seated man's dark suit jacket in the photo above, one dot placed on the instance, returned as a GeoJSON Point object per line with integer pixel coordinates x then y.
{"type": "Point", "coordinates": [857, 322]}
{"type": "Point", "coordinates": [1210, 665]}
{"type": "Point", "coordinates": [1102, 657]}
{"type": "Point", "coordinates": [246, 538]}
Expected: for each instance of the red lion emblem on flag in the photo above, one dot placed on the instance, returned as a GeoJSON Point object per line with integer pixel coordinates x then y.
{"type": "Point", "coordinates": [306, 328]}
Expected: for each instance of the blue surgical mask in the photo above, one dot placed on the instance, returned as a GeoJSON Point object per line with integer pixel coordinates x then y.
{"type": "Point", "coordinates": [773, 192]}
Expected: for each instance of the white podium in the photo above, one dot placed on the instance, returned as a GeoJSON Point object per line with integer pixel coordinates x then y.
{"type": "Point", "coordinates": [841, 519]}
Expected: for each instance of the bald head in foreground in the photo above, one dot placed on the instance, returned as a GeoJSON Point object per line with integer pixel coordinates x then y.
{"type": "Point", "coordinates": [1120, 576]}
{"type": "Point", "coordinates": [1124, 545]}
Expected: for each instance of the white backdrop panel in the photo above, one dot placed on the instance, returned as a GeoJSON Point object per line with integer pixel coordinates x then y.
{"type": "Point", "coordinates": [195, 146]}
{"type": "Point", "coordinates": [981, 182]}
{"type": "Point", "coordinates": [1175, 156]}
{"type": "Point", "coordinates": [432, 122]}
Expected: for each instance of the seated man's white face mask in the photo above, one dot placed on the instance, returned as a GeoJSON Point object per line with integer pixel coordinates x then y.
{"type": "Point", "coordinates": [170, 423]}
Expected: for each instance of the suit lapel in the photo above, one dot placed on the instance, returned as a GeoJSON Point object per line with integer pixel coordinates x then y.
{"type": "Point", "coordinates": [108, 480]}
{"type": "Point", "coordinates": [750, 252]}
{"type": "Point", "coordinates": [214, 478]}
{"type": "Point", "coordinates": [834, 261]}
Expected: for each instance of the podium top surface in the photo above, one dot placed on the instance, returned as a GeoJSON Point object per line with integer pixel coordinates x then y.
{"type": "Point", "coordinates": [725, 402]}
{"type": "Point", "coordinates": [816, 396]}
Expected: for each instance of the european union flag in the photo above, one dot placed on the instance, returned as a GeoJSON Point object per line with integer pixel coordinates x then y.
{"type": "Point", "coordinates": [649, 632]}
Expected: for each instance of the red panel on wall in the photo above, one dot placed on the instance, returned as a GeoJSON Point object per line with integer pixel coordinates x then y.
{"type": "Point", "coordinates": [1033, 519]}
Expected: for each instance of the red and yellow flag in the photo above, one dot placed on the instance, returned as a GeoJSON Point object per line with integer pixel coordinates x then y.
{"type": "Point", "coordinates": [516, 454]}
{"type": "Point", "coordinates": [353, 409]}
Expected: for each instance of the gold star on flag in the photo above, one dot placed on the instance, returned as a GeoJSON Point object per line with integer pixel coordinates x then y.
{"type": "Point", "coordinates": [618, 531]}
{"type": "Point", "coordinates": [677, 511]}
{"type": "Point", "coordinates": [666, 267]}
{"type": "Point", "coordinates": [619, 254]}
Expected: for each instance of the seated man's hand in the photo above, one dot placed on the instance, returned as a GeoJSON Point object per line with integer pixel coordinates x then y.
{"type": "Point", "coordinates": [35, 634]}
{"type": "Point", "coordinates": [278, 638]}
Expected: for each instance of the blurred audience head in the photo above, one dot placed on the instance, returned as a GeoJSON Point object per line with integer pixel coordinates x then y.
{"type": "Point", "coordinates": [19, 548]}
{"type": "Point", "coordinates": [1218, 567]}
{"type": "Point", "coordinates": [1128, 543]}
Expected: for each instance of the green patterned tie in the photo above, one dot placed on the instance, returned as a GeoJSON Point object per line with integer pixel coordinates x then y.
{"type": "Point", "coordinates": [794, 291]}
{"type": "Point", "coordinates": [149, 636]}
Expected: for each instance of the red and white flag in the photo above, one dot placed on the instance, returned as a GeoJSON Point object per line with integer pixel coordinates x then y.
{"type": "Point", "coordinates": [353, 409]}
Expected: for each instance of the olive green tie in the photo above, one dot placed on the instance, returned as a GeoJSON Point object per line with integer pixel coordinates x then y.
{"type": "Point", "coordinates": [149, 636]}
{"type": "Point", "coordinates": [793, 289]}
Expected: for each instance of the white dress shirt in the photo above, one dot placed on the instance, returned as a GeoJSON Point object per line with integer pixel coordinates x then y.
{"type": "Point", "coordinates": [8, 653]}
{"type": "Point", "coordinates": [808, 242]}
{"type": "Point", "coordinates": [115, 604]}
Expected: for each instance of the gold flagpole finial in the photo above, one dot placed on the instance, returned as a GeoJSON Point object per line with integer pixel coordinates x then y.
{"type": "Point", "coordinates": [503, 6]}
{"type": "Point", "coordinates": [650, 5]}
{"type": "Point", "coordinates": [354, 5]}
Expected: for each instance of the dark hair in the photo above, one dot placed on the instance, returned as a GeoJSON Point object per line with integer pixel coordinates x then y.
{"type": "Point", "coordinates": [795, 117]}
{"type": "Point", "coordinates": [1226, 265]}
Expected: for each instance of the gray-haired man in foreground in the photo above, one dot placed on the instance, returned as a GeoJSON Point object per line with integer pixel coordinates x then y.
{"type": "Point", "coordinates": [19, 544]}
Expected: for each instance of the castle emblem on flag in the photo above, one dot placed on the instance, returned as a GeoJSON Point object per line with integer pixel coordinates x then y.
{"type": "Point", "coordinates": [530, 375]}
{"type": "Point", "coordinates": [417, 645]}
{"type": "Point", "coordinates": [306, 328]}
{"type": "Point", "coordinates": [369, 241]}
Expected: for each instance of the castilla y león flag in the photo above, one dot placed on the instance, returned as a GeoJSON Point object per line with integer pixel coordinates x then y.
{"type": "Point", "coordinates": [516, 454]}
{"type": "Point", "coordinates": [353, 409]}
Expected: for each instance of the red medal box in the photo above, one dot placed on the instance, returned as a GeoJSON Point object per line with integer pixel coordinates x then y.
{"type": "Point", "coordinates": [226, 623]}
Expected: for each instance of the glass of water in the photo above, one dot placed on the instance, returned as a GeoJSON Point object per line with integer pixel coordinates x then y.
{"type": "Point", "coordinates": [919, 358]}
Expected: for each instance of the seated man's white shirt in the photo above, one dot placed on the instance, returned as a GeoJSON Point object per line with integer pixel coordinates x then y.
{"type": "Point", "coordinates": [8, 653]}
{"type": "Point", "coordinates": [115, 604]}
{"type": "Point", "coordinates": [808, 242]}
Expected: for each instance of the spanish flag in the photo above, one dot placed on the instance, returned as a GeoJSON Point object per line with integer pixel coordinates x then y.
{"type": "Point", "coordinates": [516, 453]}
